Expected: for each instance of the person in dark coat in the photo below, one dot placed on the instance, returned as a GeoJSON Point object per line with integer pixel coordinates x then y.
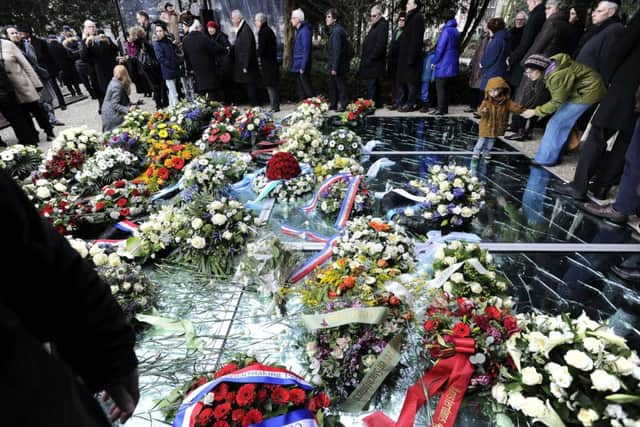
{"type": "Point", "coordinates": [63, 302]}
{"type": "Point", "coordinates": [149, 69]}
{"type": "Point", "coordinates": [338, 62]}
{"type": "Point", "coordinates": [245, 60]}
{"type": "Point", "coordinates": [200, 55]}
{"type": "Point", "coordinates": [598, 43]}
{"type": "Point", "coordinates": [99, 52]}
{"type": "Point", "coordinates": [63, 59]}
{"type": "Point", "coordinates": [446, 62]}
{"type": "Point", "coordinates": [392, 65]}
{"type": "Point", "coordinates": [494, 60]}
{"type": "Point", "coordinates": [72, 44]}
{"type": "Point", "coordinates": [374, 55]}
{"type": "Point", "coordinates": [166, 54]}
{"type": "Point", "coordinates": [475, 73]}
{"type": "Point", "coordinates": [516, 31]}
{"type": "Point", "coordinates": [301, 63]}
{"type": "Point", "coordinates": [224, 61]}
{"type": "Point", "coordinates": [268, 60]}
{"type": "Point", "coordinates": [529, 34]}
{"type": "Point", "coordinates": [577, 19]}
{"type": "Point", "coordinates": [410, 56]}
{"type": "Point", "coordinates": [598, 169]}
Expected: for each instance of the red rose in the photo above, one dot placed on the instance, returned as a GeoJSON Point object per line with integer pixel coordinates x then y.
{"type": "Point", "coordinates": [135, 192]}
{"type": "Point", "coordinates": [430, 325]}
{"type": "Point", "coordinates": [246, 394]}
{"type": "Point", "coordinates": [280, 396]}
{"type": "Point", "coordinates": [163, 173]}
{"type": "Point", "coordinates": [252, 417]}
{"type": "Point", "coordinates": [226, 137]}
{"type": "Point", "coordinates": [351, 116]}
{"type": "Point", "coordinates": [282, 166]}
{"type": "Point", "coordinates": [510, 324]}
{"type": "Point", "coordinates": [225, 370]}
{"type": "Point", "coordinates": [482, 322]}
{"type": "Point", "coordinates": [124, 212]}
{"type": "Point", "coordinates": [322, 400]}
{"type": "Point", "coordinates": [465, 306]}
{"type": "Point", "coordinates": [46, 210]}
{"type": "Point", "coordinates": [461, 330]}
{"type": "Point", "coordinates": [222, 410]}
{"type": "Point", "coordinates": [99, 206]}
{"type": "Point", "coordinates": [435, 351]}
{"type": "Point", "coordinates": [492, 312]}
{"type": "Point", "coordinates": [110, 192]}
{"type": "Point", "coordinates": [237, 415]}
{"type": "Point", "coordinates": [119, 184]}
{"type": "Point", "coordinates": [205, 417]}
{"type": "Point", "coordinates": [122, 201]}
{"type": "Point", "coordinates": [297, 396]}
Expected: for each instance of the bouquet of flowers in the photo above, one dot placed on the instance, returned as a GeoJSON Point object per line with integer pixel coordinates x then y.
{"type": "Point", "coordinates": [465, 270]}
{"type": "Point", "coordinates": [223, 399]}
{"type": "Point", "coordinates": [193, 115]}
{"type": "Point", "coordinates": [222, 136]}
{"type": "Point", "coordinates": [451, 195]}
{"type": "Point", "coordinates": [372, 238]}
{"type": "Point", "coordinates": [130, 141]}
{"type": "Point", "coordinates": [120, 200]}
{"type": "Point", "coordinates": [343, 143]}
{"type": "Point", "coordinates": [162, 131]}
{"type": "Point", "coordinates": [227, 114]}
{"type": "Point", "coordinates": [106, 166]}
{"type": "Point", "coordinates": [136, 119]}
{"type": "Point", "coordinates": [292, 184]}
{"type": "Point", "coordinates": [168, 160]}
{"type": "Point", "coordinates": [63, 163]}
{"type": "Point", "coordinates": [211, 171]}
{"type": "Point", "coordinates": [214, 232]}
{"type": "Point", "coordinates": [338, 165]}
{"type": "Point", "coordinates": [331, 200]}
{"type": "Point", "coordinates": [303, 140]}
{"type": "Point", "coordinates": [570, 371]}
{"type": "Point", "coordinates": [156, 118]}
{"type": "Point", "coordinates": [82, 139]}
{"type": "Point", "coordinates": [54, 202]}
{"type": "Point", "coordinates": [311, 110]}
{"type": "Point", "coordinates": [357, 111]}
{"type": "Point", "coordinates": [254, 124]}
{"type": "Point", "coordinates": [20, 160]}
{"type": "Point", "coordinates": [132, 289]}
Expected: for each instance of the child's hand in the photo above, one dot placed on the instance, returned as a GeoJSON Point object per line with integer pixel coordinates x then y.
{"type": "Point", "coordinates": [527, 114]}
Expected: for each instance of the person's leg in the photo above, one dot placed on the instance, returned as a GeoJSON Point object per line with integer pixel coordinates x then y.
{"type": "Point", "coordinates": [441, 89]}
{"type": "Point", "coordinates": [306, 85]}
{"type": "Point", "coordinates": [371, 89]}
{"type": "Point", "coordinates": [488, 146]}
{"type": "Point", "coordinates": [557, 132]}
{"type": "Point", "coordinates": [401, 90]}
{"type": "Point", "coordinates": [412, 95]}
{"type": "Point", "coordinates": [58, 92]}
{"type": "Point", "coordinates": [424, 94]}
{"type": "Point", "coordinates": [591, 153]}
{"type": "Point", "coordinates": [477, 150]}
{"type": "Point", "coordinates": [628, 199]}
{"type": "Point", "coordinates": [610, 166]}
{"type": "Point", "coordinates": [333, 93]}
{"type": "Point", "coordinates": [252, 94]}
{"type": "Point", "coordinates": [18, 120]}
{"type": "Point", "coordinates": [40, 115]}
{"type": "Point", "coordinates": [343, 93]}
{"type": "Point", "coordinates": [173, 92]}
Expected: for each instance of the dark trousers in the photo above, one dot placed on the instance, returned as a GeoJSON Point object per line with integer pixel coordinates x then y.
{"type": "Point", "coordinates": [274, 97]}
{"type": "Point", "coordinates": [19, 121]}
{"type": "Point", "coordinates": [337, 91]}
{"type": "Point", "coordinates": [477, 95]}
{"type": "Point", "coordinates": [373, 91]}
{"type": "Point", "coordinates": [36, 110]}
{"type": "Point", "coordinates": [252, 93]}
{"type": "Point", "coordinates": [401, 94]}
{"type": "Point", "coordinates": [443, 96]}
{"type": "Point", "coordinates": [596, 161]}
{"type": "Point", "coordinates": [409, 93]}
{"type": "Point", "coordinates": [521, 125]}
{"type": "Point", "coordinates": [305, 90]}
{"type": "Point", "coordinates": [56, 89]}
{"type": "Point", "coordinates": [628, 198]}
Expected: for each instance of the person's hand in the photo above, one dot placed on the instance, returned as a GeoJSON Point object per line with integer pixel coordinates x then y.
{"type": "Point", "coordinates": [125, 397]}
{"type": "Point", "coordinates": [333, 72]}
{"type": "Point", "coordinates": [527, 114]}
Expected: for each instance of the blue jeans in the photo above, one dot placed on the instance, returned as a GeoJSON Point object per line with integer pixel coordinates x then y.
{"type": "Point", "coordinates": [534, 195]}
{"type": "Point", "coordinates": [424, 93]}
{"type": "Point", "coordinates": [628, 199]}
{"type": "Point", "coordinates": [484, 145]}
{"type": "Point", "coordinates": [557, 132]}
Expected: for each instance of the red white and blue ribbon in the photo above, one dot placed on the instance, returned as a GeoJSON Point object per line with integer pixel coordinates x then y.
{"type": "Point", "coordinates": [316, 261]}
{"type": "Point", "coordinates": [108, 242]}
{"type": "Point", "coordinates": [298, 418]}
{"type": "Point", "coordinates": [324, 187]}
{"type": "Point", "coordinates": [309, 236]}
{"type": "Point", "coordinates": [127, 226]}
{"type": "Point", "coordinates": [257, 373]}
{"type": "Point", "coordinates": [347, 203]}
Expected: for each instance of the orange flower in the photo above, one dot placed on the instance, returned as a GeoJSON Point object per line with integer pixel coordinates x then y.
{"type": "Point", "coordinates": [150, 171]}
{"type": "Point", "coordinates": [379, 226]}
{"type": "Point", "coordinates": [349, 281]}
{"type": "Point", "coordinates": [168, 163]}
{"type": "Point", "coordinates": [382, 263]}
{"type": "Point", "coordinates": [342, 262]}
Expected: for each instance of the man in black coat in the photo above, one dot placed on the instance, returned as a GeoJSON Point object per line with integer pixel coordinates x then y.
{"type": "Point", "coordinates": [374, 55]}
{"type": "Point", "coordinates": [338, 62]}
{"type": "Point", "coordinates": [410, 56]}
{"type": "Point", "coordinates": [529, 34]}
{"type": "Point", "coordinates": [200, 55]}
{"type": "Point", "coordinates": [517, 30]}
{"type": "Point", "coordinates": [397, 92]}
{"type": "Point", "coordinates": [268, 60]}
{"type": "Point", "coordinates": [245, 66]}
{"type": "Point", "coordinates": [99, 52]}
{"type": "Point", "coordinates": [64, 61]}
{"type": "Point", "coordinates": [615, 115]}
{"type": "Point", "coordinates": [57, 298]}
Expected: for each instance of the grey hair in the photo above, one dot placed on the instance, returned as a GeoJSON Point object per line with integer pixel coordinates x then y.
{"type": "Point", "coordinates": [560, 4]}
{"type": "Point", "coordinates": [522, 13]}
{"type": "Point", "coordinates": [261, 17]}
{"type": "Point", "coordinates": [237, 13]}
{"type": "Point", "coordinates": [376, 8]}
{"type": "Point", "coordinates": [610, 5]}
{"type": "Point", "coordinates": [87, 22]}
{"type": "Point", "coordinates": [298, 13]}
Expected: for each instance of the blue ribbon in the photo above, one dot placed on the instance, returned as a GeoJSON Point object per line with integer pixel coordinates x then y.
{"type": "Point", "coordinates": [296, 416]}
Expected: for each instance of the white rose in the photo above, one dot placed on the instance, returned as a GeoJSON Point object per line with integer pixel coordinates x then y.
{"type": "Point", "coordinates": [559, 374]}
{"type": "Point", "coordinates": [455, 245]}
{"type": "Point", "coordinates": [499, 393]}
{"type": "Point", "coordinates": [60, 187]}
{"type": "Point", "coordinates": [196, 223]}
{"type": "Point", "coordinates": [533, 407]}
{"type": "Point", "coordinates": [476, 288]}
{"type": "Point", "coordinates": [578, 359]}
{"type": "Point", "coordinates": [409, 212]}
{"type": "Point", "coordinates": [43, 193]}
{"type": "Point", "coordinates": [227, 235]}
{"type": "Point", "coordinates": [615, 411]}
{"type": "Point", "coordinates": [198, 242]}
{"type": "Point", "coordinates": [440, 254]}
{"type": "Point", "coordinates": [516, 400]}
{"type": "Point", "coordinates": [114, 260]}
{"type": "Point", "coordinates": [603, 381]}
{"type": "Point", "coordinates": [218, 219]}
{"type": "Point", "coordinates": [311, 348]}
{"type": "Point", "coordinates": [216, 205]}
{"type": "Point", "coordinates": [100, 259]}
{"type": "Point", "coordinates": [466, 212]}
{"type": "Point", "coordinates": [587, 416]}
{"type": "Point", "coordinates": [624, 366]}
{"type": "Point", "coordinates": [530, 376]}
{"type": "Point", "coordinates": [450, 260]}
{"type": "Point", "coordinates": [457, 278]}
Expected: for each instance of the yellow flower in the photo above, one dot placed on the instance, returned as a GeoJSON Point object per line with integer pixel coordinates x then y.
{"type": "Point", "coordinates": [163, 133]}
{"type": "Point", "coordinates": [168, 163]}
{"type": "Point", "coordinates": [162, 125]}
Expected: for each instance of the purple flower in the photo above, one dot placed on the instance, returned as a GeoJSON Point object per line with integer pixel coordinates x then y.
{"type": "Point", "coordinates": [481, 380]}
{"type": "Point", "coordinates": [495, 333]}
{"type": "Point", "coordinates": [458, 192]}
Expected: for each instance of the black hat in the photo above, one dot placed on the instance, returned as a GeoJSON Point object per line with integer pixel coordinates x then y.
{"type": "Point", "coordinates": [23, 28]}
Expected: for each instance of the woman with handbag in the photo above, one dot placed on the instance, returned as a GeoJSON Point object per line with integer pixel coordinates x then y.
{"type": "Point", "coordinates": [149, 68]}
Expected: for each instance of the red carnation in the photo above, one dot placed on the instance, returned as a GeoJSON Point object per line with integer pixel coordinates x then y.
{"type": "Point", "coordinates": [124, 212]}
{"type": "Point", "coordinates": [221, 411]}
{"type": "Point", "coordinates": [246, 394]}
{"type": "Point", "coordinates": [226, 137]}
{"type": "Point", "coordinates": [461, 330]}
{"type": "Point", "coordinates": [430, 325]}
{"type": "Point", "coordinates": [492, 312]}
{"type": "Point", "coordinates": [297, 396]}
{"type": "Point", "coordinates": [221, 424]}
{"type": "Point", "coordinates": [119, 184]}
{"type": "Point", "coordinates": [110, 192]}
{"type": "Point", "coordinates": [230, 397]}
{"type": "Point", "coordinates": [252, 417]}
{"type": "Point", "coordinates": [237, 415]}
{"type": "Point", "coordinates": [163, 173]}
{"type": "Point", "coordinates": [482, 322]}
{"type": "Point", "coordinates": [205, 417]}
{"type": "Point", "coordinates": [322, 400]}
{"type": "Point", "coordinates": [282, 166]}
{"type": "Point", "coordinates": [226, 369]}
{"type": "Point", "coordinates": [99, 206]}
{"type": "Point", "coordinates": [220, 392]}
{"type": "Point", "coordinates": [280, 396]}
{"type": "Point", "coordinates": [262, 395]}
{"type": "Point", "coordinates": [122, 201]}
{"type": "Point", "coordinates": [510, 324]}
{"type": "Point", "coordinates": [213, 138]}
{"type": "Point", "coordinates": [135, 192]}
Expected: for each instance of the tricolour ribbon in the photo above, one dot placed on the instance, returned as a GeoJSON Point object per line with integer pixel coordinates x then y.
{"type": "Point", "coordinates": [314, 262]}
{"type": "Point", "coordinates": [348, 201]}
{"type": "Point", "coordinates": [298, 418]}
{"type": "Point", "coordinates": [324, 187]}
{"type": "Point", "coordinates": [126, 225]}
{"type": "Point", "coordinates": [452, 375]}
{"type": "Point", "coordinates": [191, 405]}
{"type": "Point", "coordinates": [108, 242]}
{"type": "Point", "coordinates": [309, 236]}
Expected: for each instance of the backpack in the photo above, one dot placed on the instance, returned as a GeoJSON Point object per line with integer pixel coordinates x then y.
{"type": "Point", "coordinates": [7, 89]}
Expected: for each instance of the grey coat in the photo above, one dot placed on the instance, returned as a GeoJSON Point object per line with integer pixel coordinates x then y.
{"type": "Point", "coordinates": [115, 105]}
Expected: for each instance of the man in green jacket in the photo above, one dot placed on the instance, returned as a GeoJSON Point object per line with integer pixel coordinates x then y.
{"type": "Point", "coordinates": [573, 88]}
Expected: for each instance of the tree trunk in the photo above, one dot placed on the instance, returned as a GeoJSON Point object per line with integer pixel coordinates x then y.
{"type": "Point", "coordinates": [289, 6]}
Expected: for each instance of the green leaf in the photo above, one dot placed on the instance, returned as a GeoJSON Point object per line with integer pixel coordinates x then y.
{"type": "Point", "coordinates": [623, 398]}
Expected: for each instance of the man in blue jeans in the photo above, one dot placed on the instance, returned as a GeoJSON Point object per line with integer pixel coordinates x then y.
{"type": "Point", "coordinates": [573, 88]}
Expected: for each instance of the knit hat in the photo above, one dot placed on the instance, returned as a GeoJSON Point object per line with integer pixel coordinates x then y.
{"type": "Point", "coordinates": [538, 62]}
{"type": "Point", "coordinates": [212, 24]}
